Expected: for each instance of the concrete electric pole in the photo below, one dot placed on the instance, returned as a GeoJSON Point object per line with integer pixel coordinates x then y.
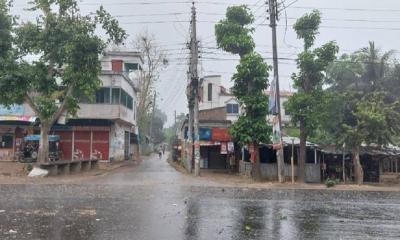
{"type": "Point", "coordinates": [195, 84]}
{"type": "Point", "coordinates": [273, 11]}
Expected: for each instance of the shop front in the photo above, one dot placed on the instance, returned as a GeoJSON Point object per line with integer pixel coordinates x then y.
{"type": "Point", "coordinates": [216, 149]}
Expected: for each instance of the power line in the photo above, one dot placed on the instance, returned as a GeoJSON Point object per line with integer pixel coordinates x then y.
{"type": "Point", "coordinates": [350, 9]}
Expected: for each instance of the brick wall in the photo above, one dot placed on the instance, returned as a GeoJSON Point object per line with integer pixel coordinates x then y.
{"type": "Point", "coordinates": [213, 114]}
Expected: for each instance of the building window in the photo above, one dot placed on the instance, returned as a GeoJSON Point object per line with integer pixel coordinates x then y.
{"type": "Point", "coordinates": [6, 142]}
{"type": "Point", "coordinates": [209, 92]}
{"type": "Point", "coordinates": [129, 103]}
{"type": "Point", "coordinates": [115, 96]}
{"type": "Point", "coordinates": [131, 67]}
{"type": "Point", "coordinates": [126, 100]}
{"type": "Point", "coordinates": [124, 96]}
{"type": "Point", "coordinates": [103, 95]}
{"type": "Point", "coordinates": [232, 108]}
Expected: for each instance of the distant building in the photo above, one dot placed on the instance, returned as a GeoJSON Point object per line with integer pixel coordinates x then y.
{"type": "Point", "coordinates": [105, 129]}
{"type": "Point", "coordinates": [285, 115]}
{"type": "Point", "coordinates": [214, 95]}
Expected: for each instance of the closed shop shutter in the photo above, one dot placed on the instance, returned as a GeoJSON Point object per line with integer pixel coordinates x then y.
{"type": "Point", "coordinates": [100, 147]}
{"type": "Point", "coordinates": [82, 145]}
{"type": "Point", "coordinates": [65, 144]}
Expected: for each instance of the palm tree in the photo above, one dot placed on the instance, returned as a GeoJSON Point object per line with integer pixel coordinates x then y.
{"type": "Point", "coordinates": [376, 66]}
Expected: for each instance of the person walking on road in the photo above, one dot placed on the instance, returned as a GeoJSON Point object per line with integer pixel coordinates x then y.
{"type": "Point", "coordinates": [160, 153]}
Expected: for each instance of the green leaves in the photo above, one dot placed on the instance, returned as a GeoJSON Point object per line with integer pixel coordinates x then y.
{"type": "Point", "coordinates": [307, 27]}
{"type": "Point", "coordinates": [250, 79]}
{"type": "Point", "coordinates": [240, 15]}
{"type": "Point", "coordinates": [233, 33]}
{"type": "Point", "coordinates": [68, 50]}
{"type": "Point", "coordinates": [308, 105]}
{"type": "Point", "coordinates": [247, 130]}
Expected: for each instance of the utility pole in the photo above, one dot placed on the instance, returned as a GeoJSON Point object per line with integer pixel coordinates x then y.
{"type": "Point", "coordinates": [194, 50]}
{"type": "Point", "coordinates": [273, 11]}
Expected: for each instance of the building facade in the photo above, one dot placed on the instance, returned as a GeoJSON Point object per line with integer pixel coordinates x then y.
{"type": "Point", "coordinates": [103, 129]}
{"type": "Point", "coordinates": [214, 95]}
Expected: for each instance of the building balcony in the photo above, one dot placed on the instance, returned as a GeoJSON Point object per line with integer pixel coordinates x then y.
{"type": "Point", "coordinates": [106, 111]}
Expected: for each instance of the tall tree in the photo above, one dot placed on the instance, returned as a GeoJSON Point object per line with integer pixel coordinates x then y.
{"type": "Point", "coordinates": [233, 35]}
{"type": "Point", "coordinates": [154, 59]}
{"type": "Point", "coordinates": [305, 105]}
{"type": "Point", "coordinates": [68, 64]}
{"type": "Point", "coordinates": [6, 23]}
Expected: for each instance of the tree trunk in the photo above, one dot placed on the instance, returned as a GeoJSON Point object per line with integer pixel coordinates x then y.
{"type": "Point", "coordinates": [256, 169]}
{"type": "Point", "coordinates": [43, 153]}
{"type": "Point", "coordinates": [358, 170]}
{"type": "Point", "coordinates": [303, 151]}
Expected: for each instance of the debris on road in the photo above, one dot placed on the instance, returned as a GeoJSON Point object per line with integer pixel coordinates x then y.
{"type": "Point", "coordinates": [38, 172]}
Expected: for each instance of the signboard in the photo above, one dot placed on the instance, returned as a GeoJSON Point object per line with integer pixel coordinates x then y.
{"type": "Point", "coordinates": [205, 134]}
{"type": "Point", "coordinates": [276, 133]}
{"type": "Point", "coordinates": [14, 110]}
{"type": "Point", "coordinates": [209, 143]}
{"type": "Point", "coordinates": [18, 118]}
{"type": "Point", "coordinates": [273, 99]}
{"type": "Point", "coordinates": [221, 134]}
{"type": "Point", "coordinates": [231, 147]}
{"type": "Point", "coordinates": [224, 149]}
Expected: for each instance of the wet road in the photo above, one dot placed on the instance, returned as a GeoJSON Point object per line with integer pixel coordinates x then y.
{"type": "Point", "coordinates": [153, 201]}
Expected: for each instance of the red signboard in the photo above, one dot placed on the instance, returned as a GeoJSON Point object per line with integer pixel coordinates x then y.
{"type": "Point", "coordinates": [220, 134]}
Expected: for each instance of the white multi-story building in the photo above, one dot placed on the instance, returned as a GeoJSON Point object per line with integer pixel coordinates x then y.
{"type": "Point", "coordinates": [214, 95]}
{"type": "Point", "coordinates": [104, 129]}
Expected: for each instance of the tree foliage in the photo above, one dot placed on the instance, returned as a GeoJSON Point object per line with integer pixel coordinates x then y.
{"type": "Point", "coordinates": [154, 58]}
{"type": "Point", "coordinates": [250, 80]}
{"type": "Point", "coordinates": [365, 108]}
{"type": "Point", "coordinates": [233, 35]}
{"type": "Point", "coordinates": [67, 63]}
{"type": "Point", "coordinates": [306, 106]}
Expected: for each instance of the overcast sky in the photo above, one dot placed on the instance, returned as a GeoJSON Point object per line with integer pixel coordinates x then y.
{"type": "Point", "coordinates": [351, 23]}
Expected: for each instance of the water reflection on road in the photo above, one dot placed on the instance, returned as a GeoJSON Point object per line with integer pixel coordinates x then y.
{"type": "Point", "coordinates": [169, 210]}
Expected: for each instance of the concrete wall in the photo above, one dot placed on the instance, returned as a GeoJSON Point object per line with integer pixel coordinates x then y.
{"type": "Point", "coordinates": [269, 171]}
{"type": "Point", "coordinates": [105, 111]}
{"type": "Point", "coordinates": [213, 114]}
{"type": "Point", "coordinates": [215, 101]}
{"type": "Point", "coordinates": [117, 141]}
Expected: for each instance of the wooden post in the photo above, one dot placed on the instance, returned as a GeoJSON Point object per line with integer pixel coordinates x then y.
{"type": "Point", "coordinates": [292, 161]}
{"type": "Point", "coordinates": [315, 156]}
{"type": "Point", "coordinates": [91, 144]}
{"type": "Point", "coordinates": [73, 145]}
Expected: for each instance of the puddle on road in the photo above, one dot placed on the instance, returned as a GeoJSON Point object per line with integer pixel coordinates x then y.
{"type": "Point", "coordinates": [203, 213]}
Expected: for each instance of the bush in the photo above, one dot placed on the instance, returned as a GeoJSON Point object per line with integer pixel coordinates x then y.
{"type": "Point", "coordinates": [330, 182]}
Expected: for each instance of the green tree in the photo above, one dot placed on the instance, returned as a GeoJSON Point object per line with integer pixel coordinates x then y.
{"type": "Point", "coordinates": [157, 134]}
{"type": "Point", "coordinates": [305, 105]}
{"type": "Point", "coordinates": [67, 66]}
{"type": "Point", "coordinates": [233, 35]}
{"type": "Point", "coordinates": [363, 109]}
